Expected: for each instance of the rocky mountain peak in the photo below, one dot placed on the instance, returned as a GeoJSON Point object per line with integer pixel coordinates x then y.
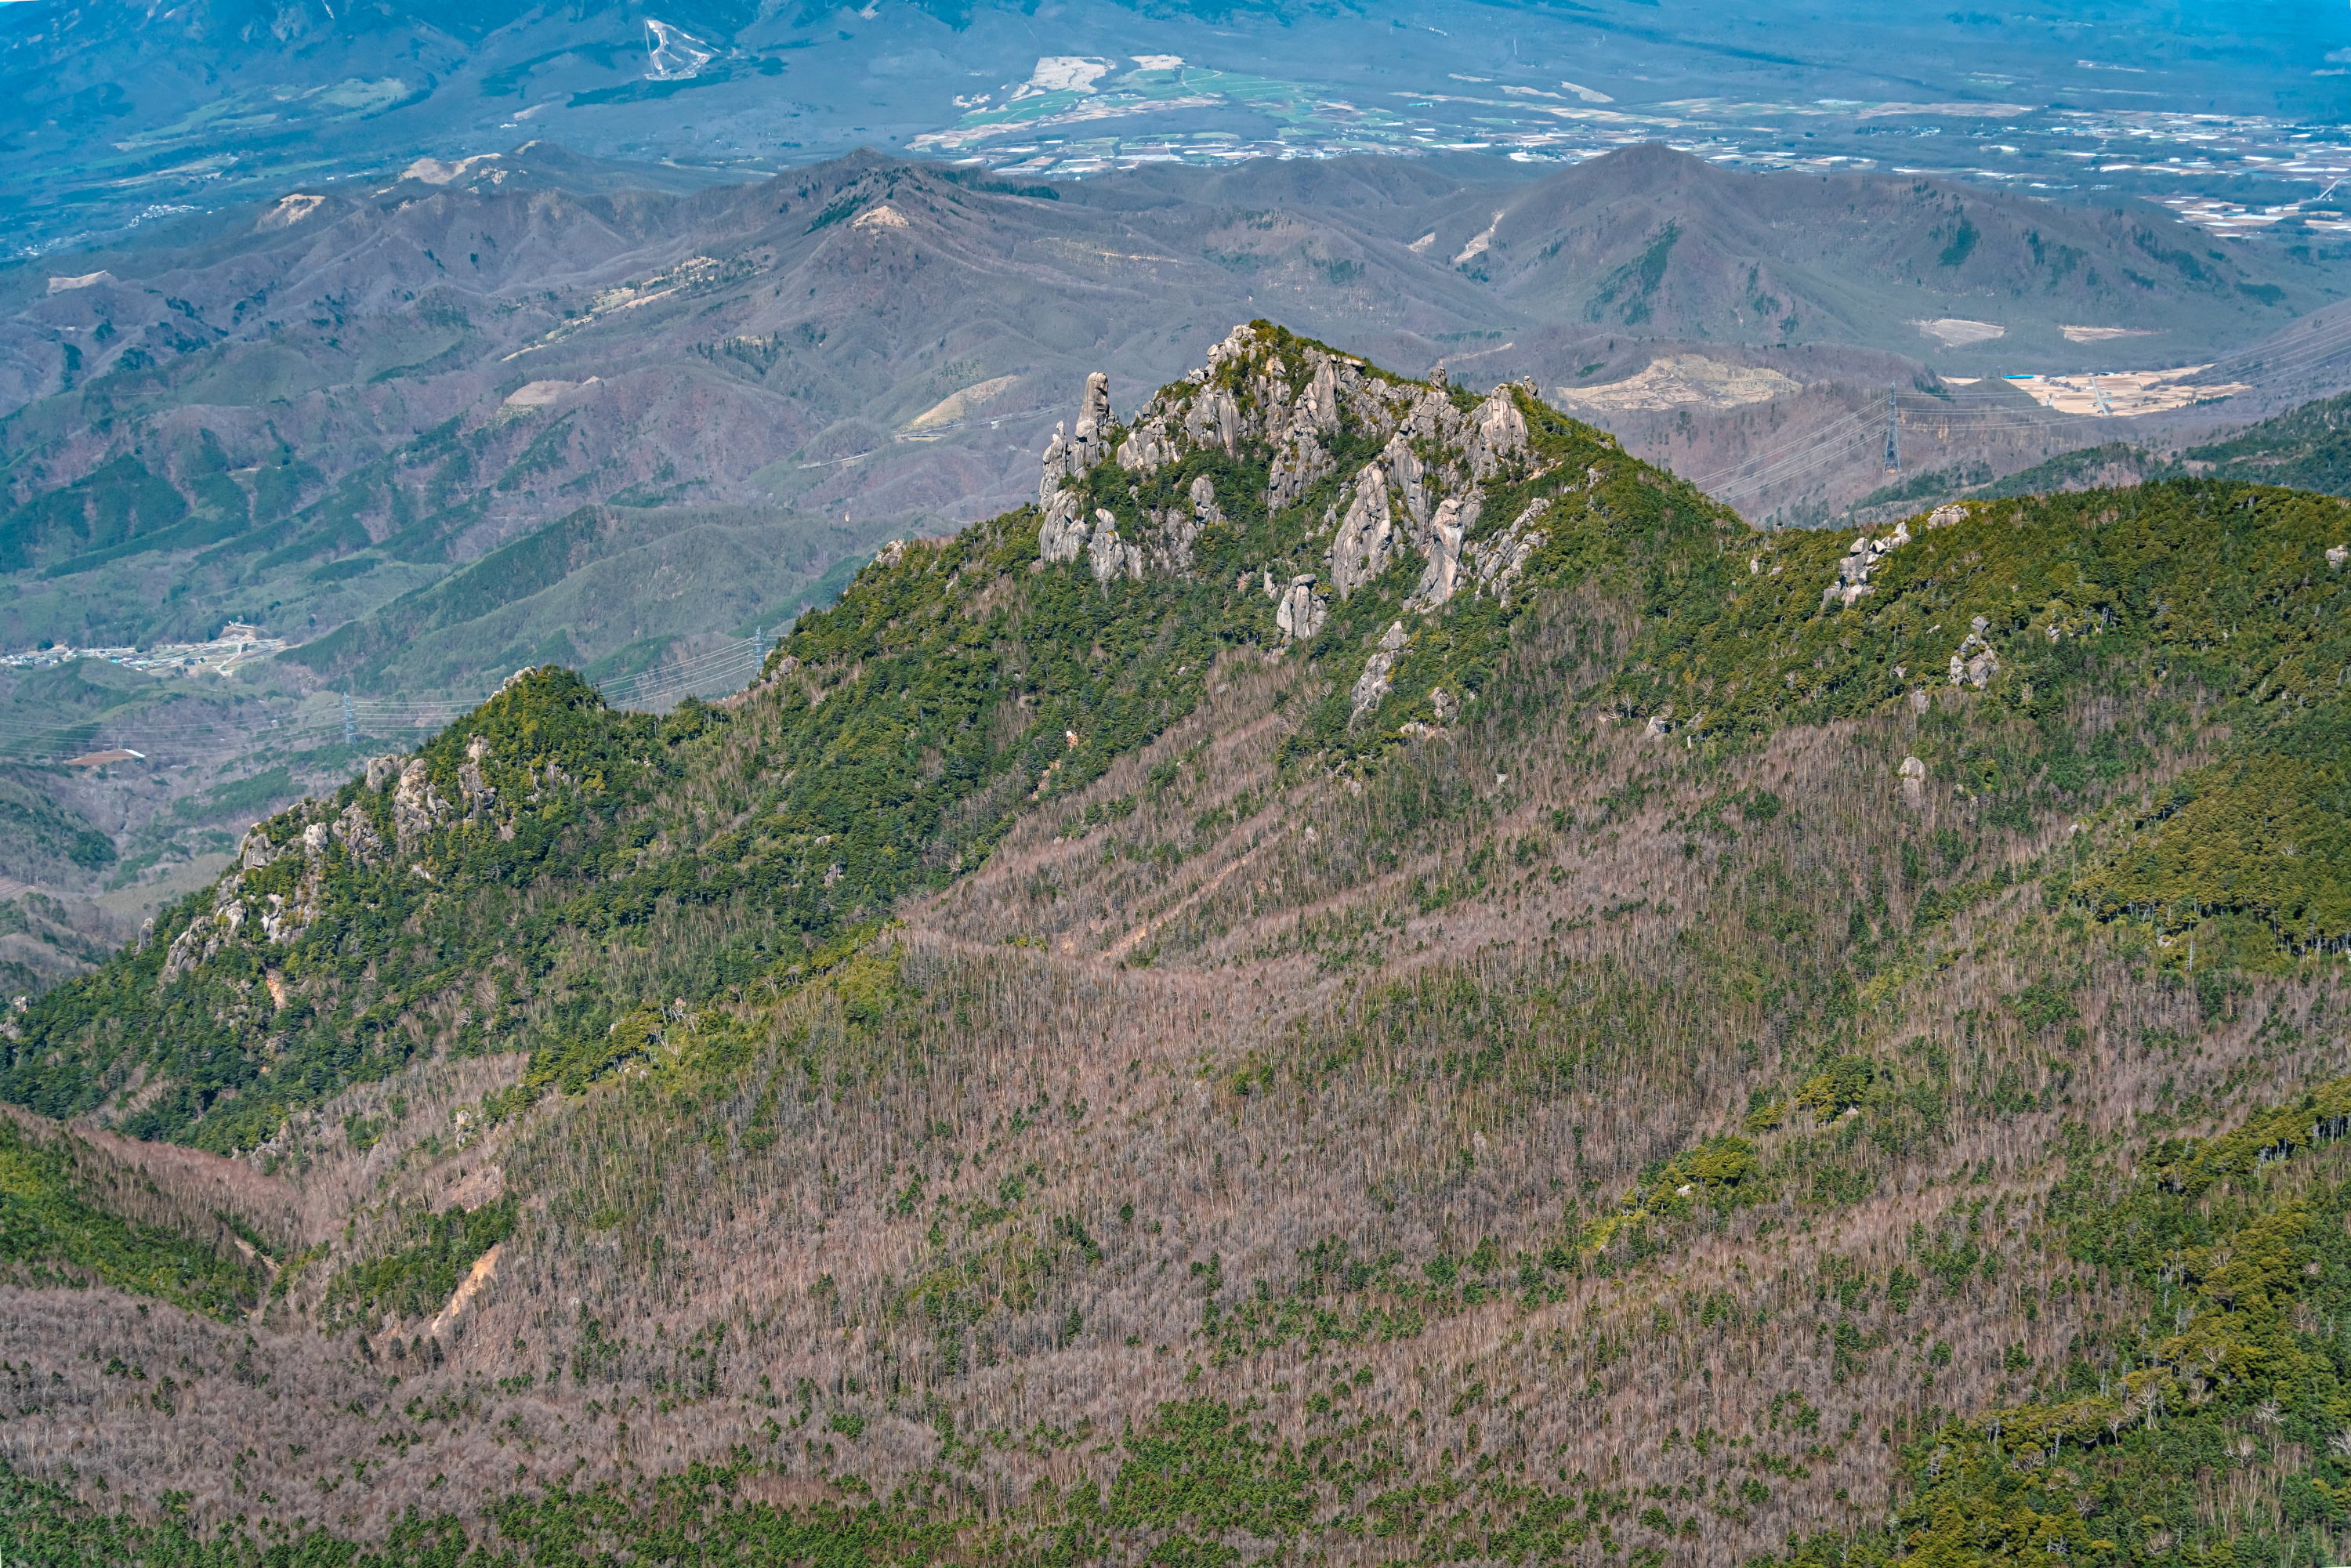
{"type": "Point", "coordinates": [1401, 469]}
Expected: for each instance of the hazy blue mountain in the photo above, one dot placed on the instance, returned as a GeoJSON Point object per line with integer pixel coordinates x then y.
{"type": "Point", "coordinates": [113, 115]}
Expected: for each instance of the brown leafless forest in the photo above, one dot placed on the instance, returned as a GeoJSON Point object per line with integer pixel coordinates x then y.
{"type": "Point", "coordinates": [1308, 1098]}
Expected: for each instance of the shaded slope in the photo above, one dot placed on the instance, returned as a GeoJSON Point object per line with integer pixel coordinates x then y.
{"type": "Point", "coordinates": [1660, 243]}
{"type": "Point", "coordinates": [2304, 448]}
{"type": "Point", "coordinates": [75, 1212]}
{"type": "Point", "coordinates": [2308, 449]}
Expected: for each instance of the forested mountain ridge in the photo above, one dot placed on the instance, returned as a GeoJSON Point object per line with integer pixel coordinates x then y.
{"type": "Point", "coordinates": [1370, 979]}
{"type": "Point", "coordinates": [2305, 448]}
{"type": "Point", "coordinates": [2308, 448]}
{"type": "Point", "coordinates": [438, 871]}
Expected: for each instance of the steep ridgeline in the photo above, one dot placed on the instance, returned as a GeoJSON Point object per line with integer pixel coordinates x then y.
{"type": "Point", "coordinates": [1370, 980]}
{"type": "Point", "coordinates": [466, 898]}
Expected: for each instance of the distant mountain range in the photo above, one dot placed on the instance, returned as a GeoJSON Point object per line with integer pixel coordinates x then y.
{"type": "Point", "coordinates": [309, 413]}
{"type": "Point", "coordinates": [114, 116]}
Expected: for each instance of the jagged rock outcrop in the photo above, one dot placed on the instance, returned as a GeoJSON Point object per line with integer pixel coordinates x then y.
{"type": "Point", "coordinates": [1431, 416]}
{"type": "Point", "coordinates": [1853, 571]}
{"type": "Point", "coordinates": [1063, 532]}
{"type": "Point", "coordinates": [255, 903]}
{"type": "Point", "coordinates": [1302, 462]}
{"type": "Point", "coordinates": [416, 807]}
{"type": "Point", "coordinates": [1204, 501]}
{"type": "Point", "coordinates": [1258, 387]}
{"type": "Point", "coordinates": [356, 832]}
{"type": "Point", "coordinates": [188, 949]}
{"type": "Point", "coordinates": [1094, 411]}
{"type": "Point", "coordinates": [1497, 440]}
{"type": "Point", "coordinates": [1149, 449]}
{"type": "Point", "coordinates": [478, 791]}
{"type": "Point", "coordinates": [1366, 535]}
{"type": "Point", "coordinates": [1204, 411]}
{"type": "Point", "coordinates": [1497, 561]}
{"type": "Point", "coordinates": [1318, 405]}
{"type": "Point", "coordinates": [1087, 441]}
{"type": "Point", "coordinates": [1266, 399]}
{"type": "Point", "coordinates": [1853, 584]}
{"type": "Point", "coordinates": [1975, 662]}
{"type": "Point", "coordinates": [1373, 684]}
{"type": "Point", "coordinates": [1297, 613]}
{"type": "Point", "coordinates": [206, 934]}
{"type": "Point", "coordinates": [1178, 527]}
{"type": "Point", "coordinates": [1112, 556]}
{"type": "Point", "coordinates": [1075, 452]}
{"type": "Point", "coordinates": [1407, 475]}
{"type": "Point", "coordinates": [1456, 516]}
{"type": "Point", "coordinates": [254, 851]}
{"type": "Point", "coordinates": [1914, 780]}
{"type": "Point", "coordinates": [1067, 455]}
{"type": "Point", "coordinates": [284, 919]}
{"type": "Point", "coordinates": [1213, 419]}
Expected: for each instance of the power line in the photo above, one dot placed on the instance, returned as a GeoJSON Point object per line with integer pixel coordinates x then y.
{"type": "Point", "coordinates": [1830, 443]}
{"type": "Point", "coordinates": [2322, 340]}
{"type": "Point", "coordinates": [1833, 455]}
{"type": "Point", "coordinates": [1801, 442]}
{"type": "Point", "coordinates": [1827, 454]}
{"type": "Point", "coordinates": [1797, 442]}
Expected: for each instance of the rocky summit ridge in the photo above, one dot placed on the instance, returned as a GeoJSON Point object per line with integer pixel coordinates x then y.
{"type": "Point", "coordinates": [1396, 500]}
{"type": "Point", "coordinates": [1369, 979]}
{"type": "Point", "coordinates": [1284, 495]}
{"type": "Point", "coordinates": [1400, 471]}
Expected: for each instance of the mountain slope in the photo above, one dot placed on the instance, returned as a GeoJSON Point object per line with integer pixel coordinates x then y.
{"type": "Point", "coordinates": [2306, 448]}
{"type": "Point", "coordinates": [1371, 978]}
{"type": "Point", "coordinates": [2309, 449]}
{"type": "Point", "coordinates": [880, 815]}
{"type": "Point", "coordinates": [1669, 246]}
